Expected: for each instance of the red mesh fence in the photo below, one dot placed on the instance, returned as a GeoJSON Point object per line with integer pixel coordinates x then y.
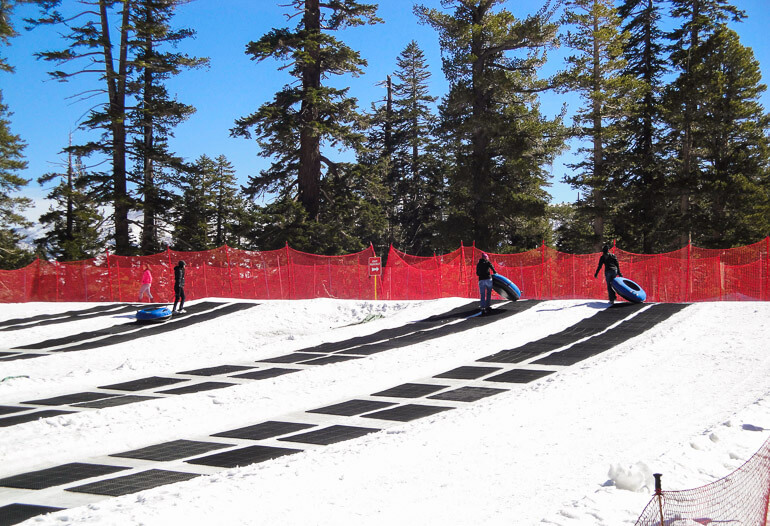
{"type": "Point", "coordinates": [685, 275]}
{"type": "Point", "coordinates": [739, 498]}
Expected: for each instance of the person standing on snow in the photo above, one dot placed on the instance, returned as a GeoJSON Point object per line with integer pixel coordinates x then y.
{"type": "Point", "coordinates": [179, 287]}
{"type": "Point", "coordinates": [484, 271]}
{"type": "Point", "coordinates": [611, 270]}
{"type": "Point", "coordinates": [146, 283]}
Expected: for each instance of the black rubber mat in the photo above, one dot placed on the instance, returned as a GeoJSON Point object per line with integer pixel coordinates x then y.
{"type": "Point", "coordinates": [330, 435]}
{"type": "Point", "coordinates": [22, 356]}
{"type": "Point", "coordinates": [582, 329]}
{"type": "Point", "coordinates": [264, 430]}
{"type": "Point", "coordinates": [30, 417]}
{"type": "Point", "coordinates": [9, 409]}
{"type": "Point", "coordinates": [16, 513]}
{"type": "Point", "coordinates": [114, 330]}
{"type": "Point", "coordinates": [263, 374]}
{"type": "Point", "coordinates": [467, 372]}
{"type": "Point", "coordinates": [174, 450]}
{"type": "Point", "coordinates": [220, 369]}
{"type": "Point", "coordinates": [243, 456]}
{"type": "Point", "coordinates": [62, 317]}
{"type": "Point", "coordinates": [508, 309]}
{"type": "Point", "coordinates": [294, 357]}
{"type": "Point", "coordinates": [7, 354]}
{"type": "Point", "coordinates": [468, 394]}
{"type": "Point", "coordinates": [68, 315]}
{"type": "Point", "coordinates": [519, 376]}
{"type": "Point", "coordinates": [394, 332]}
{"type": "Point", "coordinates": [72, 398]}
{"type": "Point", "coordinates": [330, 359]}
{"type": "Point", "coordinates": [134, 482]}
{"type": "Point", "coordinates": [115, 401]}
{"type": "Point", "coordinates": [352, 407]}
{"type": "Point", "coordinates": [151, 330]}
{"type": "Point", "coordinates": [406, 413]}
{"type": "Point", "coordinates": [411, 390]}
{"type": "Point", "coordinates": [197, 388]}
{"type": "Point", "coordinates": [55, 476]}
{"type": "Point", "coordinates": [635, 326]}
{"type": "Point", "coordinates": [151, 382]}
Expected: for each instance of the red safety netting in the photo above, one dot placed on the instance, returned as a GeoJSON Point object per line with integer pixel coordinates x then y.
{"type": "Point", "coordinates": [739, 498]}
{"type": "Point", "coordinates": [685, 275]}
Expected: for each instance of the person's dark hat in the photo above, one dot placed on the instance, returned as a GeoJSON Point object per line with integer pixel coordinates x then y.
{"type": "Point", "coordinates": [606, 248]}
{"type": "Point", "coordinates": [181, 263]}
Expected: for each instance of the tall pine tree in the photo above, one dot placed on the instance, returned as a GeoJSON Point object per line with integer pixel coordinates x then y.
{"type": "Point", "coordinates": [302, 117]}
{"type": "Point", "coordinates": [499, 141]}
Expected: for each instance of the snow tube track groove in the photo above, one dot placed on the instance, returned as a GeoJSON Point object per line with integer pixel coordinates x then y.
{"type": "Point", "coordinates": [398, 404]}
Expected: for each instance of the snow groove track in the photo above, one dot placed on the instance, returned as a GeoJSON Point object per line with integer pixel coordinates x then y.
{"type": "Point", "coordinates": [124, 332]}
{"type": "Point", "coordinates": [130, 471]}
{"type": "Point", "coordinates": [65, 317]}
{"type": "Point", "coordinates": [126, 392]}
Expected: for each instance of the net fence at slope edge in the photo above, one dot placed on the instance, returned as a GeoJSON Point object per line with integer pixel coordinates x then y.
{"type": "Point", "coordinates": [685, 275]}
{"type": "Point", "coordinates": [739, 498]}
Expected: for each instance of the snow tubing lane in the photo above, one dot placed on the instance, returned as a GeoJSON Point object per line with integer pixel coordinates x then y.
{"type": "Point", "coordinates": [158, 314]}
{"type": "Point", "coordinates": [505, 287]}
{"type": "Point", "coordinates": [629, 290]}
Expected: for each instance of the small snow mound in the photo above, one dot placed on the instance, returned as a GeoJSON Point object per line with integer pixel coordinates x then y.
{"type": "Point", "coordinates": [634, 478]}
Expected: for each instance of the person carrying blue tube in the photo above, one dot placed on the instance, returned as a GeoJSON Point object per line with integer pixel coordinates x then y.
{"type": "Point", "coordinates": [611, 270]}
{"type": "Point", "coordinates": [484, 271]}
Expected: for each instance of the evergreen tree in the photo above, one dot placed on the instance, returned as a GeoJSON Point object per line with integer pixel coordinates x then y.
{"type": "Point", "coordinates": [302, 117]}
{"type": "Point", "coordinates": [403, 147]}
{"type": "Point", "coordinates": [499, 141]}
{"type": "Point", "coordinates": [596, 72]}
{"type": "Point", "coordinates": [156, 113]}
{"type": "Point", "coordinates": [74, 222]}
{"type": "Point", "coordinates": [228, 204]}
{"type": "Point", "coordinates": [642, 218]}
{"type": "Point", "coordinates": [700, 19]}
{"type": "Point", "coordinates": [12, 255]}
{"type": "Point", "coordinates": [195, 207]}
{"type": "Point", "coordinates": [731, 204]}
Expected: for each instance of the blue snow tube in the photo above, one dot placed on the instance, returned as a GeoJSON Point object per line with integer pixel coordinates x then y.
{"type": "Point", "coordinates": [628, 290]}
{"type": "Point", "coordinates": [505, 287]}
{"type": "Point", "coordinates": [156, 314]}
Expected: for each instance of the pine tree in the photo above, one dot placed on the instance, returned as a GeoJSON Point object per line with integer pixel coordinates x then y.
{"type": "Point", "coordinates": [291, 128]}
{"type": "Point", "coordinates": [596, 72]}
{"type": "Point", "coordinates": [228, 204]}
{"type": "Point", "coordinates": [156, 113]}
{"type": "Point", "coordinates": [74, 221]}
{"type": "Point", "coordinates": [499, 141]}
{"type": "Point", "coordinates": [641, 221]}
{"type": "Point", "coordinates": [700, 19]}
{"type": "Point", "coordinates": [731, 206]}
{"type": "Point", "coordinates": [12, 255]}
{"type": "Point", "coordinates": [195, 207]}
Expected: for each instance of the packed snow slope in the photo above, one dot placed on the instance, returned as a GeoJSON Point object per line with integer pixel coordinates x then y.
{"type": "Point", "coordinates": [689, 398]}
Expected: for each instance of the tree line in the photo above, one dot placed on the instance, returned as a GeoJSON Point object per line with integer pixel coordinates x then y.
{"type": "Point", "coordinates": [673, 139]}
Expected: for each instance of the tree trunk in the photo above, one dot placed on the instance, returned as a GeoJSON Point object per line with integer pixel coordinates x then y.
{"type": "Point", "coordinates": [309, 177]}
{"type": "Point", "coordinates": [116, 89]}
{"type": "Point", "coordinates": [598, 148]}
{"type": "Point", "coordinates": [149, 238]}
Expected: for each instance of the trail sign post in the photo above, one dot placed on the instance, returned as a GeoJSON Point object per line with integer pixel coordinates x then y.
{"type": "Point", "coordinates": [375, 269]}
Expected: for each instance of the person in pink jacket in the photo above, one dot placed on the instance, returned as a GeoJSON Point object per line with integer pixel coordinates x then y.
{"type": "Point", "coordinates": [146, 282]}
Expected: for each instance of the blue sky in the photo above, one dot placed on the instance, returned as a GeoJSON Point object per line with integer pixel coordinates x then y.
{"type": "Point", "coordinates": [46, 111]}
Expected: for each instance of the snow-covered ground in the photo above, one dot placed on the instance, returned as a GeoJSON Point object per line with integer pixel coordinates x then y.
{"type": "Point", "coordinates": [689, 398]}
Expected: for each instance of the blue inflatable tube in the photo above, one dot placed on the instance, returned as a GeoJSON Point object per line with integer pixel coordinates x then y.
{"type": "Point", "coordinates": [156, 314]}
{"type": "Point", "coordinates": [505, 287]}
{"type": "Point", "coordinates": [628, 290]}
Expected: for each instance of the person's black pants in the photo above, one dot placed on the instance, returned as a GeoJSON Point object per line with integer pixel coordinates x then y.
{"type": "Point", "coordinates": [178, 297]}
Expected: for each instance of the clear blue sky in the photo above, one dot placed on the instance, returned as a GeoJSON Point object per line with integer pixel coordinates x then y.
{"type": "Point", "coordinates": [45, 111]}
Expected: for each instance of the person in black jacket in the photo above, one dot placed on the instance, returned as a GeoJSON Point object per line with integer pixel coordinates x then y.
{"type": "Point", "coordinates": [611, 270]}
{"type": "Point", "coordinates": [484, 271]}
{"type": "Point", "coordinates": [179, 286]}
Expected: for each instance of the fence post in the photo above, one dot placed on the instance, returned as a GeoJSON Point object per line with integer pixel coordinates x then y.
{"type": "Point", "coordinates": [660, 275]}
{"type": "Point", "coordinates": [229, 270]}
{"type": "Point", "coordinates": [659, 494]}
{"type": "Point", "coordinates": [767, 268]}
{"type": "Point", "coordinates": [542, 270]}
{"type": "Point", "coordinates": [688, 285]}
{"type": "Point", "coordinates": [290, 271]}
{"type": "Point", "coordinates": [109, 275]}
{"type": "Point", "coordinates": [170, 270]}
{"type": "Point", "coordinates": [56, 277]}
